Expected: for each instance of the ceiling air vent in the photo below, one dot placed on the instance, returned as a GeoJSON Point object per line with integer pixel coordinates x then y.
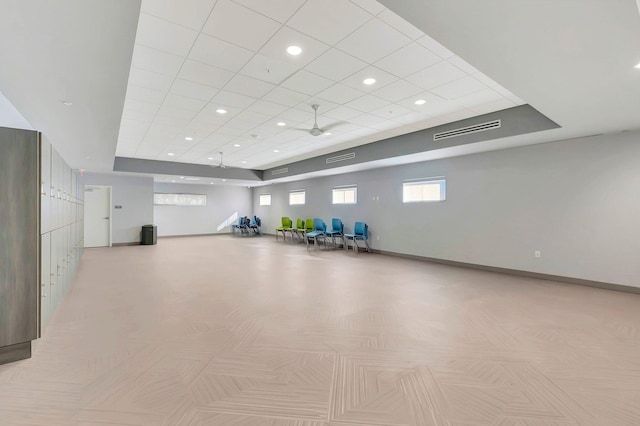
{"type": "Point", "coordinates": [489, 125]}
{"type": "Point", "coordinates": [343, 157]}
{"type": "Point", "coordinates": [279, 171]}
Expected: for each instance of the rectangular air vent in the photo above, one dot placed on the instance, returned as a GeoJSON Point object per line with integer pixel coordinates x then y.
{"type": "Point", "coordinates": [489, 125]}
{"type": "Point", "coordinates": [280, 171]}
{"type": "Point", "coordinates": [343, 157]}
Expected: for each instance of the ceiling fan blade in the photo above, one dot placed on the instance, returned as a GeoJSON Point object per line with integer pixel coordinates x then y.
{"type": "Point", "coordinates": [333, 125]}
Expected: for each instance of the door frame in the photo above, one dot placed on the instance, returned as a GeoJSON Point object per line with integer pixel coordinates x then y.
{"type": "Point", "coordinates": [109, 188]}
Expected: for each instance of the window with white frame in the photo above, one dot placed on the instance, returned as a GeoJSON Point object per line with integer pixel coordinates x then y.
{"type": "Point", "coordinates": [296, 197]}
{"type": "Point", "coordinates": [424, 190]}
{"type": "Point", "coordinates": [160, 199]}
{"type": "Point", "coordinates": [345, 195]}
{"type": "Point", "coordinates": [265, 199]}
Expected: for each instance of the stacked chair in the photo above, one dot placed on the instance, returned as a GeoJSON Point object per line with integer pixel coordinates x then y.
{"type": "Point", "coordinates": [337, 230]}
{"type": "Point", "coordinates": [247, 226]}
{"type": "Point", "coordinates": [360, 233]}
{"type": "Point", "coordinates": [319, 232]}
{"type": "Point", "coordinates": [255, 225]}
{"type": "Point", "coordinates": [287, 226]}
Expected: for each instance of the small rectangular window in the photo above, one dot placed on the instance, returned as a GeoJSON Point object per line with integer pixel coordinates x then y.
{"type": "Point", "coordinates": [265, 199]}
{"type": "Point", "coordinates": [179, 199]}
{"type": "Point", "coordinates": [296, 197]}
{"type": "Point", "coordinates": [424, 190]}
{"type": "Point", "coordinates": [345, 195]}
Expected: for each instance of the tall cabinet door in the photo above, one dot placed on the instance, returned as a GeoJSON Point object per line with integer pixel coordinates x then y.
{"type": "Point", "coordinates": [45, 187]}
{"type": "Point", "coordinates": [45, 282]}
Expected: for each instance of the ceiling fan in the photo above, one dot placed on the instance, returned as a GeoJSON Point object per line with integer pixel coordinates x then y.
{"type": "Point", "coordinates": [315, 130]}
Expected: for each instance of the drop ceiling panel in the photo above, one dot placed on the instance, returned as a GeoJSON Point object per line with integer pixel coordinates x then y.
{"type": "Point", "coordinates": [343, 113]}
{"type": "Point", "coordinates": [367, 103]}
{"type": "Point", "coordinates": [456, 89]}
{"type": "Point", "coordinates": [382, 79]}
{"type": "Point", "coordinates": [308, 83]}
{"type": "Point", "coordinates": [319, 20]}
{"type": "Point", "coordinates": [339, 93]}
{"type": "Point", "coordinates": [276, 47]}
{"type": "Point", "coordinates": [285, 96]}
{"type": "Point", "coordinates": [435, 47]}
{"type": "Point", "coordinates": [219, 53]}
{"type": "Point", "coordinates": [266, 107]}
{"type": "Point", "coordinates": [164, 35]}
{"type": "Point", "coordinates": [373, 41]}
{"type": "Point", "coordinates": [149, 59]}
{"type": "Point", "coordinates": [249, 86]}
{"type": "Point", "coordinates": [336, 65]}
{"type": "Point", "coordinates": [280, 10]}
{"type": "Point", "coordinates": [437, 75]}
{"type": "Point", "coordinates": [188, 13]}
{"type": "Point", "coordinates": [150, 80]}
{"type": "Point", "coordinates": [398, 91]}
{"type": "Point", "coordinates": [254, 31]}
{"type": "Point", "coordinates": [204, 74]}
{"type": "Point", "coordinates": [371, 6]}
{"type": "Point", "coordinates": [400, 24]}
{"type": "Point", "coordinates": [192, 89]}
{"type": "Point", "coordinates": [230, 99]}
{"type": "Point", "coordinates": [408, 60]}
{"type": "Point", "coordinates": [268, 69]}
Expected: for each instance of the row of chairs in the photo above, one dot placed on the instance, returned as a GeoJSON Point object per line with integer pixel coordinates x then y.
{"type": "Point", "coordinates": [314, 230]}
{"type": "Point", "coordinates": [246, 226]}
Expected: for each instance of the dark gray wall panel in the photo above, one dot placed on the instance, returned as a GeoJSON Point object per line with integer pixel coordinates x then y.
{"type": "Point", "coordinates": [19, 218]}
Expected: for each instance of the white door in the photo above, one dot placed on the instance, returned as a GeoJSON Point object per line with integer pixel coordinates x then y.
{"type": "Point", "coordinates": [97, 216]}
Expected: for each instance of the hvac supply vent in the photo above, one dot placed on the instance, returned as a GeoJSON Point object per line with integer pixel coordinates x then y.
{"type": "Point", "coordinates": [343, 157]}
{"type": "Point", "coordinates": [489, 125]}
{"type": "Point", "coordinates": [280, 171]}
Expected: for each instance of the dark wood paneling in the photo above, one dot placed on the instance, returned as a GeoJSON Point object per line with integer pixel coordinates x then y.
{"type": "Point", "coordinates": [19, 218]}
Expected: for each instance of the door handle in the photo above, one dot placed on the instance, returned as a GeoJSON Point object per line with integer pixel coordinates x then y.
{"type": "Point", "coordinates": [105, 218]}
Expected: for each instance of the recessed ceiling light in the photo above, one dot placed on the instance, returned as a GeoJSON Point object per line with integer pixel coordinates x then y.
{"type": "Point", "coordinates": [181, 177]}
{"type": "Point", "coordinates": [282, 123]}
{"type": "Point", "coordinates": [209, 158]}
{"type": "Point", "coordinates": [369, 81]}
{"type": "Point", "coordinates": [637, 66]}
{"type": "Point", "coordinates": [67, 103]}
{"type": "Point", "coordinates": [224, 180]}
{"type": "Point", "coordinates": [170, 154]}
{"type": "Point", "coordinates": [211, 183]}
{"type": "Point", "coordinates": [193, 178]}
{"type": "Point", "coordinates": [173, 181]}
{"type": "Point", "coordinates": [221, 111]}
{"type": "Point", "coordinates": [294, 50]}
{"type": "Point", "coordinates": [244, 162]}
{"type": "Point", "coordinates": [275, 150]}
{"type": "Point", "coordinates": [327, 133]}
{"type": "Point", "coordinates": [237, 145]}
{"type": "Point", "coordinates": [188, 138]}
{"type": "Point", "coordinates": [420, 102]}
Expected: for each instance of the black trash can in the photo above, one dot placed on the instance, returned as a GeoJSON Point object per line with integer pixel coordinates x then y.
{"type": "Point", "coordinates": [149, 235]}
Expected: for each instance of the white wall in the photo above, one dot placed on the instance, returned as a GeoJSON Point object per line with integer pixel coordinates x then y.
{"type": "Point", "coordinates": [135, 195]}
{"type": "Point", "coordinates": [222, 202]}
{"type": "Point", "coordinates": [576, 201]}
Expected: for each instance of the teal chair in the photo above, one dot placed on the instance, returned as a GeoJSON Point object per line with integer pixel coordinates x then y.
{"type": "Point", "coordinates": [337, 230]}
{"type": "Point", "coordinates": [360, 233]}
{"type": "Point", "coordinates": [319, 229]}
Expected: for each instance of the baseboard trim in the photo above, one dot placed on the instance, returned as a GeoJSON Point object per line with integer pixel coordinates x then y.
{"type": "Point", "coordinates": [125, 244]}
{"type": "Point", "coordinates": [195, 235]}
{"type": "Point", "coordinates": [529, 274]}
{"type": "Point", "coordinates": [15, 352]}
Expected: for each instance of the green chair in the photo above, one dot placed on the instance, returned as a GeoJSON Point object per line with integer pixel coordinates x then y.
{"type": "Point", "coordinates": [286, 227]}
{"type": "Point", "coordinates": [300, 229]}
{"type": "Point", "coordinates": [308, 225]}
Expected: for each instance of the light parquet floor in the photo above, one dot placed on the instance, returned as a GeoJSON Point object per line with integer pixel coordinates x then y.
{"type": "Point", "coordinates": [253, 332]}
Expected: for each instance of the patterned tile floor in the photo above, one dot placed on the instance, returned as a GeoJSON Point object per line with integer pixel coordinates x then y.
{"type": "Point", "coordinates": [249, 331]}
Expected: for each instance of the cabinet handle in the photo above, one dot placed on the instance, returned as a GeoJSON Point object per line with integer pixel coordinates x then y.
{"type": "Point", "coordinates": [44, 295]}
{"type": "Point", "coordinates": [53, 283]}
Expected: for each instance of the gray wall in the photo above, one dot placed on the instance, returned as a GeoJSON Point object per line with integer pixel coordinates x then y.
{"type": "Point", "coordinates": [222, 202]}
{"type": "Point", "coordinates": [576, 201]}
{"type": "Point", "coordinates": [135, 195]}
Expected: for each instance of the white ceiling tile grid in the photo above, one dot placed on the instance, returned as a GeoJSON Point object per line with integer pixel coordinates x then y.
{"type": "Point", "coordinates": [193, 58]}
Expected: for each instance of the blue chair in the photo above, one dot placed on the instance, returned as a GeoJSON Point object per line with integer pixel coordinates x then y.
{"type": "Point", "coordinates": [360, 233]}
{"type": "Point", "coordinates": [337, 230]}
{"type": "Point", "coordinates": [255, 225]}
{"type": "Point", "coordinates": [319, 231]}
